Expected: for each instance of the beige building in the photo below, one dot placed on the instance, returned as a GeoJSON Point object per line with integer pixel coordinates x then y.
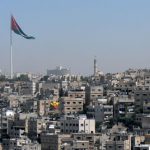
{"type": "Point", "coordinates": [69, 105]}
{"type": "Point", "coordinates": [78, 141]}
{"type": "Point", "coordinates": [136, 140]}
{"type": "Point", "coordinates": [147, 139]}
{"type": "Point", "coordinates": [50, 141]}
{"type": "Point", "coordinates": [95, 140]}
{"type": "Point", "coordinates": [118, 145]}
{"type": "Point", "coordinates": [119, 138]}
{"type": "Point", "coordinates": [43, 107]}
{"type": "Point", "coordinates": [77, 93]}
{"type": "Point", "coordinates": [13, 101]}
{"type": "Point", "coordinates": [77, 124]}
{"type": "Point", "coordinates": [1, 148]}
{"type": "Point", "coordinates": [119, 142]}
{"type": "Point", "coordinates": [78, 145]}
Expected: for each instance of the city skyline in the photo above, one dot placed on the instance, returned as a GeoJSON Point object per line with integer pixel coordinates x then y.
{"type": "Point", "coordinates": [71, 33]}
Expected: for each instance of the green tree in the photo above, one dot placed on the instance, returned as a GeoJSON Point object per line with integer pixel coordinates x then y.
{"type": "Point", "coordinates": [45, 78]}
{"type": "Point", "coordinates": [23, 77]}
{"type": "Point", "coordinates": [2, 78]}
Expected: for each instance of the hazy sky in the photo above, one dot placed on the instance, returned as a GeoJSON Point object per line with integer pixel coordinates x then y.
{"type": "Point", "coordinates": [71, 32]}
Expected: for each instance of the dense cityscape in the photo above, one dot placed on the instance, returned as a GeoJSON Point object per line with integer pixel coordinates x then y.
{"type": "Point", "coordinates": [61, 111]}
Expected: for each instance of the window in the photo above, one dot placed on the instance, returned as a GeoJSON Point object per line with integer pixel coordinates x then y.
{"type": "Point", "coordinates": [81, 124]}
{"type": "Point", "coordinates": [68, 102]}
{"type": "Point", "coordinates": [119, 147]}
{"type": "Point", "coordinates": [89, 138]}
{"type": "Point", "coordinates": [109, 109]}
{"type": "Point", "coordinates": [138, 100]}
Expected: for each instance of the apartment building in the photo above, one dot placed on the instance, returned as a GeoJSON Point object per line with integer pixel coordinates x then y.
{"type": "Point", "coordinates": [92, 93]}
{"type": "Point", "coordinates": [51, 141]}
{"type": "Point", "coordinates": [72, 124]}
{"type": "Point", "coordinates": [119, 142]}
{"type": "Point", "coordinates": [35, 127]}
{"type": "Point", "coordinates": [100, 112]}
{"type": "Point", "coordinates": [43, 107]}
{"type": "Point", "coordinates": [77, 93]}
{"type": "Point", "coordinates": [142, 99]}
{"type": "Point", "coordinates": [71, 105]}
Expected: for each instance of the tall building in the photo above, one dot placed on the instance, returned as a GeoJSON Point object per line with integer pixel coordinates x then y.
{"type": "Point", "coordinates": [95, 66]}
{"type": "Point", "coordinates": [59, 71]}
{"type": "Point", "coordinates": [97, 72]}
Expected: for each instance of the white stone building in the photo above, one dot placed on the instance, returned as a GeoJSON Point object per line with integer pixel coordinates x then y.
{"type": "Point", "coordinates": [73, 124]}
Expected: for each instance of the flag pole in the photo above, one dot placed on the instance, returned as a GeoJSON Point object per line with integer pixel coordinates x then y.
{"type": "Point", "coordinates": [11, 50]}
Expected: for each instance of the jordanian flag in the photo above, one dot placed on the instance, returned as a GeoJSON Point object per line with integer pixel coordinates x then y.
{"type": "Point", "coordinates": [16, 28]}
